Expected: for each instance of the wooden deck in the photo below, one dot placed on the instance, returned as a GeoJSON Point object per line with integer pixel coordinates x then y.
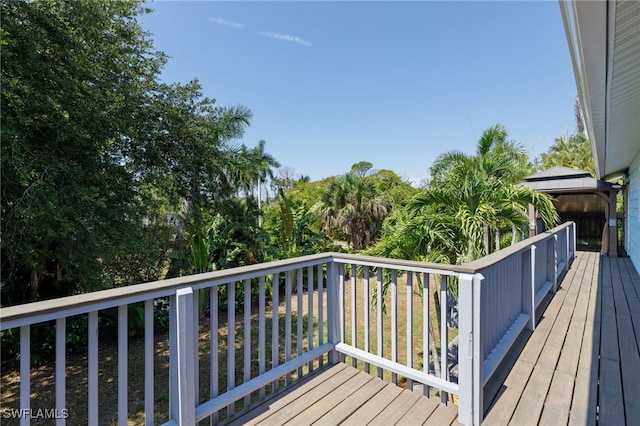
{"type": "Point", "coordinates": [340, 394]}
{"type": "Point", "coordinates": [582, 364]}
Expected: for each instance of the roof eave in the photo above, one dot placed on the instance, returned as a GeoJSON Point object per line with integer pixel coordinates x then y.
{"type": "Point", "coordinates": [575, 38]}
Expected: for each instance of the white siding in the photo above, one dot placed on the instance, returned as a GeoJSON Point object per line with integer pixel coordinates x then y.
{"type": "Point", "coordinates": [633, 248]}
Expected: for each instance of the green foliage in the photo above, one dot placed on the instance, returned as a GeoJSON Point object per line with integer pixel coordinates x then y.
{"type": "Point", "coordinates": [185, 150]}
{"type": "Point", "coordinates": [351, 206]}
{"type": "Point", "coordinates": [235, 237]}
{"type": "Point", "coordinates": [569, 151]}
{"type": "Point", "coordinates": [361, 168]}
{"type": "Point", "coordinates": [389, 183]}
{"type": "Point", "coordinates": [293, 228]}
{"type": "Point", "coordinates": [473, 198]}
{"type": "Point", "coordinates": [74, 75]}
{"type": "Point", "coordinates": [496, 156]}
{"type": "Point", "coordinates": [94, 146]}
{"type": "Point", "coordinates": [142, 259]}
{"type": "Point", "coordinates": [426, 236]}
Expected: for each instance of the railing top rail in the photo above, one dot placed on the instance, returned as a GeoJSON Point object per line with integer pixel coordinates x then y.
{"type": "Point", "coordinates": [73, 305]}
{"type": "Point", "coordinates": [484, 262]}
{"type": "Point", "coordinates": [409, 265]}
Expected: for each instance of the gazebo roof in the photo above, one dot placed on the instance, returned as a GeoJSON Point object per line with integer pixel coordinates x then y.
{"type": "Point", "coordinates": [565, 180]}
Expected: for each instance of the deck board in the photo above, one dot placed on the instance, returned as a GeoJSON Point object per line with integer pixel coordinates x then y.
{"type": "Point", "coordinates": [530, 406]}
{"type": "Point", "coordinates": [337, 395]}
{"type": "Point", "coordinates": [341, 394]}
{"type": "Point", "coordinates": [558, 402]}
{"type": "Point", "coordinates": [346, 408]}
{"type": "Point", "coordinates": [392, 413]}
{"type": "Point", "coordinates": [420, 413]}
{"type": "Point", "coordinates": [306, 400]}
{"type": "Point", "coordinates": [442, 416]}
{"type": "Point", "coordinates": [271, 405]}
{"type": "Point", "coordinates": [373, 407]}
{"type": "Point", "coordinates": [581, 366]}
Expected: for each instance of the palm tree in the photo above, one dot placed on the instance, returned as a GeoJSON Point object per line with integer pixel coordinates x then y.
{"type": "Point", "coordinates": [471, 197]}
{"type": "Point", "coordinates": [570, 151]}
{"type": "Point", "coordinates": [482, 194]}
{"type": "Point", "coordinates": [263, 165]}
{"type": "Point", "coordinates": [351, 204]}
{"type": "Point", "coordinates": [426, 236]}
{"type": "Point", "coordinates": [495, 154]}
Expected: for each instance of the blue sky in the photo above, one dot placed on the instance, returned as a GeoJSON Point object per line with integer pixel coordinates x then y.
{"type": "Point", "coordinates": [393, 83]}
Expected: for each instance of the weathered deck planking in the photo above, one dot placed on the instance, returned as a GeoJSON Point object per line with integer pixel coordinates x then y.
{"type": "Point", "coordinates": [347, 407]}
{"type": "Point", "coordinates": [517, 383]}
{"type": "Point", "coordinates": [581, 366]}
{"type": "Point", "coordinates": [340, 394]}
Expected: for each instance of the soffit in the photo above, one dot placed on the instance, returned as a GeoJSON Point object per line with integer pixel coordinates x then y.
{"type": "Point", "coordinates": [604, 41]}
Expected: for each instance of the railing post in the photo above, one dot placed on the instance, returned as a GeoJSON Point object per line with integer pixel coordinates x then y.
{"type": "Point", "coordinates": [470, 359]}
{"type": "Point", "coordinates": [61, 368]}
{"type": "Point", "coordinates": [568, 258]}
{"type": "Point", "coordinates": [554, 260]}
{"type": "Point", "coordinates": [123, 340]}
{"type": "Point", "coordinates": [529, 287]}
{"type": "Point", "coordinates": [92, 360]}
{"type": "Point", "coordinates": [25, 372]}
{"type": "Point", "coordinates": [575, 239]}
{"type": "Point", "coordinates": [444, 335]}
{"type": "Point", "coordinates": [173, 364]}
{"type": "Point", "coordinates": [184, 353]}
{"type": "Point", "coordinates": [340, 316]}
{"type": "Point", "coordinates": [333, 310]}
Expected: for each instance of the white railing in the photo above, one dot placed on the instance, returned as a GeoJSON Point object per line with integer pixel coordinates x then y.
{"type": "Point", "coordinates": [264, 342]}
{"type": "Point", "coordinates": [426, 308]}
{"type": "Point", "coordinates": [494, 312]}
{"type": "Point", "coordinates": [262, 363]}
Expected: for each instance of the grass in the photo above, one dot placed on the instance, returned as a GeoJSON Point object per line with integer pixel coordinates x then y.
{"type": "Point", "coordinates": [43, 377]}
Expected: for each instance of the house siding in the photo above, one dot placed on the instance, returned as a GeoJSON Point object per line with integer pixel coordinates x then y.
{"type": "Point", "coordinates": [633, 213]}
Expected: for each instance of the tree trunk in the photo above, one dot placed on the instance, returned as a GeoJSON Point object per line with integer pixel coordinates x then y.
{"type": "Point", "coordinates": [259, 203]}
{"type": "Point", "coordinates": [434, 350]}
{"type": "Point", "coordinates": [33, 287]}
{"type": "Point", "coordinates": [432, 332]}
{"type": "Point", "coordinates": [485, 234]}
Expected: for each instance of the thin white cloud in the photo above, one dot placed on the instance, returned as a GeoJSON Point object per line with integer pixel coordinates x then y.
{"type": "Point", "coordinates": [226, 22]}
{"type": "Point", "coordinates": [286, 37]}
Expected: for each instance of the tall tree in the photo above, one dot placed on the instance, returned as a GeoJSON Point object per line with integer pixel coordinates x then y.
{"type": "Point", "coordinates": [188, 149]}
{"type": "Point", "coordinates": [263, 163]}
{"type": "Point", "coordinates": [75, 76]}
{"type": "Point", "coordinates": [189, 156]}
